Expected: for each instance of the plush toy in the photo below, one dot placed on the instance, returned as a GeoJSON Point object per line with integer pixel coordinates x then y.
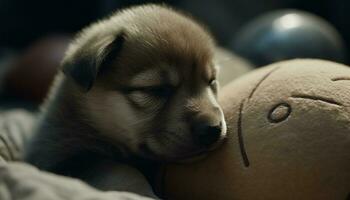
{"type": "Point", "coordinates": [288, 138]}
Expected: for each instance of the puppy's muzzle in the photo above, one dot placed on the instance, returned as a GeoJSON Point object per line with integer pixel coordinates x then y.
{"type": "Point", "coordinates": [207, 135]}
{"type": "Point", "coordinates": [208, 128]}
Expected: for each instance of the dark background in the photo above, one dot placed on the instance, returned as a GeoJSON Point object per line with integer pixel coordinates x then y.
{"type": "Point", "coordinates": [23, 21]}
{"type": "Point", "coordinates": [35, 34]}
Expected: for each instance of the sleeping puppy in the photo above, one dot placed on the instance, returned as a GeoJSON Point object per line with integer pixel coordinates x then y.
{"type": "Point", "coordinates": [141, 83]}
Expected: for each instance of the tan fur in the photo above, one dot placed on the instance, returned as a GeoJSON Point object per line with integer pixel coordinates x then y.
{"type": "Point", "coordinates": [161, 47]}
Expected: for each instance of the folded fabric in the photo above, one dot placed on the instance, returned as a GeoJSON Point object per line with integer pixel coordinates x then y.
{"type": "Point", "coordinates": [15, 129]}
{"type": "Point", "coordinates": [19, 181]}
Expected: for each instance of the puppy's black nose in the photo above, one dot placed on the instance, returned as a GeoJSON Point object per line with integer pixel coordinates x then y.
{"type": "Point", "coordinates": [207, 135]}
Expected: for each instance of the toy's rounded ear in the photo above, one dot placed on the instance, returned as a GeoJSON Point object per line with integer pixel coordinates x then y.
{"type": "Point", "coordinates": [84, 61]}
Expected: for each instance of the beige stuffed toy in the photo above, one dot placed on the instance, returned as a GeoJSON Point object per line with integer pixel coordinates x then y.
{"type": "Point", "coordinates": [288, 138]}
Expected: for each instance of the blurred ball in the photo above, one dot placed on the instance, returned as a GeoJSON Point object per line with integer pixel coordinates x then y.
{"type": "Point", "coordinates": [288, 34]}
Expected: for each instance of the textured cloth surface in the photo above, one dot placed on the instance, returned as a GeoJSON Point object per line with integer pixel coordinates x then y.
{"type": "Point", "coordinates": [288, 138]}
{"type": "Point", "coordinates": [20, 181]}
{"type": "Point", "coordinates": [15, 130]}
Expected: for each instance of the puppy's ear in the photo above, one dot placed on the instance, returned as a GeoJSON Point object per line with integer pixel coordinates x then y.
{"type": "Point", "coordinates": [86, 59]}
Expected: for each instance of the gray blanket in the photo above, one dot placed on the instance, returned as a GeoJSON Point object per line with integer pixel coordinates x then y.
{"type": "Point", "coordinates": [20, 181]}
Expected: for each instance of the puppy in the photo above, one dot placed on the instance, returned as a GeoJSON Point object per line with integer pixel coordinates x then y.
{"type": "Point", "coordinates": [141, 83]}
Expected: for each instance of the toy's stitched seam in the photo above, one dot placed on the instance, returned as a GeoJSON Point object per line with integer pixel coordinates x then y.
{"type": "Point", "coordinates": [240, 137]}
{"type": "Point", "coordinates": [261, 81]}
{"type": "Point", "coordinates": [239, 131]}
{"type": "Point", "coordinates": [341, 79]}
{"type": "Point", "coordinates": [317, 98]}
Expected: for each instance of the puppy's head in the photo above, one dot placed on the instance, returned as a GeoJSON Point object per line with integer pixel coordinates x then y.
{"type": "Point", "coordinates": [147, 81]}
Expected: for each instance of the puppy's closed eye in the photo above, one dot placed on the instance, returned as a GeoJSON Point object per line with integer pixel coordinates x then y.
{"type": "Point", "coordinates": [160, 91]}
{"type": "Point", "coordinates": [143, 100]}
{"type": "Point", "coordinates": [150, 96]}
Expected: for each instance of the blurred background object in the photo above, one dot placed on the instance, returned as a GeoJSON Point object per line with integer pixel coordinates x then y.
{"type": "Point", "coordinates": [288, 34]}
{"type": "Point", "coordinates": [230, 65]}
{"type": "Point", "coordinates": [33, 31]}
{"type": "Point", "coordinates": [33, 70]}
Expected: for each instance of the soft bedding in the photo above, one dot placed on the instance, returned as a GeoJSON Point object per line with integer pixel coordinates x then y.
{"type": "Point", "coordinates": [20, 181]}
